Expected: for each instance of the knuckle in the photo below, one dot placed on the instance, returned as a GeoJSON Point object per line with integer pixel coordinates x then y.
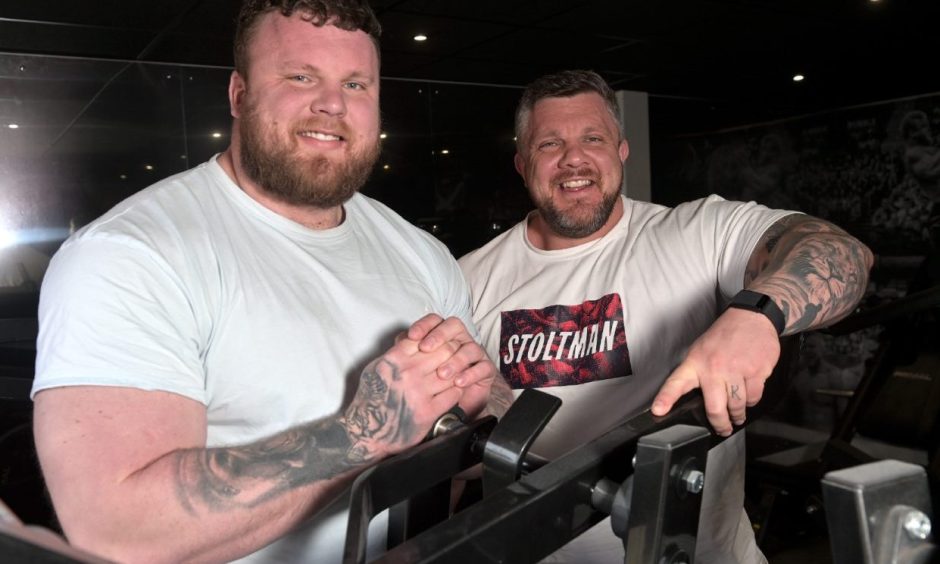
{"type": "Point", "coordinates": [714, 412]}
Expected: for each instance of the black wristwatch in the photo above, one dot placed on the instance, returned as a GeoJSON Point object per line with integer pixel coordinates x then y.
{"type": "Point", "coordinates": [755, 301]}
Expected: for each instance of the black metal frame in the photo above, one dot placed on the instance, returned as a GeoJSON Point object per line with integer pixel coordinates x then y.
{"type": "Point", "coordinates": [543, 510]}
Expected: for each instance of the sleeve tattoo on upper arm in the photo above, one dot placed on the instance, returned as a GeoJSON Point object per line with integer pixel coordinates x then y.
{"type": "Point", "coordinates": [219, 479]}
{"type": "Point", "coordinates": [815, 270]}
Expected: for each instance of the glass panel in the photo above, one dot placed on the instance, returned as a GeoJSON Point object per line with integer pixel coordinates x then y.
{"type": "Point", "coordinates": [77, 136]}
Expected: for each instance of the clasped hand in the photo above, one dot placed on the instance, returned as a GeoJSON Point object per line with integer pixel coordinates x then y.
{"type": "Point", "coordinates": [433, 366]}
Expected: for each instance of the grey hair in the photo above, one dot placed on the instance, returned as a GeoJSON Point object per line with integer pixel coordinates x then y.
{"type": "Point", "coordinates": [563, 84]}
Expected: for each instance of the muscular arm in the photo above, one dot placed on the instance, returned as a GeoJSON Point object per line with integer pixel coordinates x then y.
{"type": "Point", "coordinates": [813, 270]}
{"type": "Point", "coordinates": [221, 479]}
{"type": "Point", "coordinates": [131, 479]}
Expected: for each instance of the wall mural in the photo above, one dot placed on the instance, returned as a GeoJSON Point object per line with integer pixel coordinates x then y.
{"type": "Point", "coordinates": [874, 170]}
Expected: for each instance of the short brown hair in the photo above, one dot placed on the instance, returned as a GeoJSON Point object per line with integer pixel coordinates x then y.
{"type": "Point", "coordinates": [563, 85]}
{"type": "Point", "coordinates": [349, 15]}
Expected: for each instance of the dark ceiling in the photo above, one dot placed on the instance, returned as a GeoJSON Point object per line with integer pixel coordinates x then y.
{"type": "Point", "coordinates": [729, 59]}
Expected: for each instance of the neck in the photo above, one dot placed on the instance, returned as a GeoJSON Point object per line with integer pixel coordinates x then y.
{"type": "Point", "coordinates": [308, 216]}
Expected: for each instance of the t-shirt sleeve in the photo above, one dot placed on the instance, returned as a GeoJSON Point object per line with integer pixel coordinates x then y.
{"type": "Point", "coordinates": [739, 227]}
{"type": "Point", "coordinates": [112, 313]}
{"type": "Point", "coordinates": [458, 297]}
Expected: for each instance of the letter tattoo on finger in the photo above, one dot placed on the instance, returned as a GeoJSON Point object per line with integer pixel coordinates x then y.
{"type": "Point", "coordinates": [734, 392]}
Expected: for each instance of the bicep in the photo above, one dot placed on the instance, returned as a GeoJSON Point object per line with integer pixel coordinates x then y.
{"type": "Point", "coordinates": [788, 227]}
{"type": "Point", "coordinates": [91, 438]}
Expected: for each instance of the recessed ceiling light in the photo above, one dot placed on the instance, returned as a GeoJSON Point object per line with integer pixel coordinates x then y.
{"type": "Point", "coordinates": [386, 167]}
{"type": "Point", "coordinates": [14, 126]}
{"type": "Point", "coordinates": [123, 177]}
{"type": "Point", "coordinates": [421, 37]}
{"type": "Point", "coordinates": [798, 78]}
{"type": "Point", "coordinates": [216, 134]}
{"type": "Point", "coordinates": [148, 167]}
{"type": "Point", "coordinates": [383, 135]}
{"type": "Point", "coordinates": [445, 151]}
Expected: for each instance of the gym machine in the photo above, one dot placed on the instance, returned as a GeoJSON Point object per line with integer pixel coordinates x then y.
{"type": "Point", "coordinates": [879, 513]}
{"type": "Point", "coordinates": [790, 479]}
{"type": "Point", "coordinates": [645, 473]}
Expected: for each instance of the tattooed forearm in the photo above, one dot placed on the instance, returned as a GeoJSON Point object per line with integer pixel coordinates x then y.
{"type": "Point", "coordinates": [222, 478]}
{"type": "Point", "coordinates": [219, 479]}
{"type": "Point", "coordinates": [813, 270]}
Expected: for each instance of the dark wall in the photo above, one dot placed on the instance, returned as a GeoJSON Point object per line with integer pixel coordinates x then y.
{"type": "Point", "coordinates": [873, 170]}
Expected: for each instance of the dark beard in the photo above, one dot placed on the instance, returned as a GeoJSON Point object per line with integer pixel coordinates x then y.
{"type": "Point", "coordinates": [314, 181]}
{"type": "Point", "coordinates": [575, 227]}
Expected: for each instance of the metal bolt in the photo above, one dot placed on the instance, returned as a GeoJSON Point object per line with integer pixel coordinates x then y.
{"type": "Point", "coordinates": [447, 422]}
{"type": "Point", "coordinates": [917, 525]}
{"type": "Point", "coordinates": [693, 481]}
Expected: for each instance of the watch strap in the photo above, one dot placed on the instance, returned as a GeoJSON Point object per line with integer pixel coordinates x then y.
{"type": "Point", "coordinates": [762, 303]}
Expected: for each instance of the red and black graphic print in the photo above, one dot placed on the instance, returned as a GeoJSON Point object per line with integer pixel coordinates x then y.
{"type": "Point", "coordinates": [564, 345]}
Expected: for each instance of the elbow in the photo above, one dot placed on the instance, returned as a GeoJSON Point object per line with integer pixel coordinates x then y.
{"type": "Point", "coordinates": [868, 256]}
{"type": "Point", "coordinates": [860, 254]}
{"type": "Point", "coordinates": [865, 261]}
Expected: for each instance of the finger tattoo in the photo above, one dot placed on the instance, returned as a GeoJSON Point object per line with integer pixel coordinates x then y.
{"type": "Point", "coordinates": [734, 392]}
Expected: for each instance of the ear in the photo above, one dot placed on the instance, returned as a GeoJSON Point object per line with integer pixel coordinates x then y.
{"type": "Point", "coordinates": [623, 150]}
{"type": "Point", "coordinates": [520, 165]}
{"type": "Point", "coordinates": [236, 93]}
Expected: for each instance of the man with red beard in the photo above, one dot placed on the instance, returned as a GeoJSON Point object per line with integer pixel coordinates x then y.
{"type": "Point", "coordinates": [210, 375]}
{"type": "Point", "coordinates": [615, 305]}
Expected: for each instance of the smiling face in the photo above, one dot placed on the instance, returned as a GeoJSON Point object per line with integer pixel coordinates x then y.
{"type": "Point", "coordinates": [571, 160]}
{"type": "Point", "coordinates": [307, 113]}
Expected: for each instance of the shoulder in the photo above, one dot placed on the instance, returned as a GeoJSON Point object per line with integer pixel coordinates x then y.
{"type": "Point", "coordinates": [378, 220]}
{"type": "Point", "coordinates": [173, 203]}
{"type": "Point", "coordinates": [508, 243]}
{"type": "Point", "coordinates": [714, 209]}
{"type": "Point", "coordinates": [155, 225]}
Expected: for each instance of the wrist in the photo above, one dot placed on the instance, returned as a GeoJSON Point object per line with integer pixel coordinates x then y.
{"type": "Point", "coordinates": [760, 303]}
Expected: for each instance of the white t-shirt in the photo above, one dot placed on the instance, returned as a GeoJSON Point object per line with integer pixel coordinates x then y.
{"type": "Point", "coordinates": [192, 287]}
{"type": "Point", "coordinates": [601, 325]}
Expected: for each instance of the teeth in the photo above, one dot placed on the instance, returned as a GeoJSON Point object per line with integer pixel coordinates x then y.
{"type": "Point", "coordinates": [321, 136]}
{"type": "Point", "coordinates": [575, 183]}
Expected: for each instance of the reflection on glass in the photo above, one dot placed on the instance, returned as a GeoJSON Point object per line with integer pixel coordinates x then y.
{"type": "Point", "coordinates": [79, 136]}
